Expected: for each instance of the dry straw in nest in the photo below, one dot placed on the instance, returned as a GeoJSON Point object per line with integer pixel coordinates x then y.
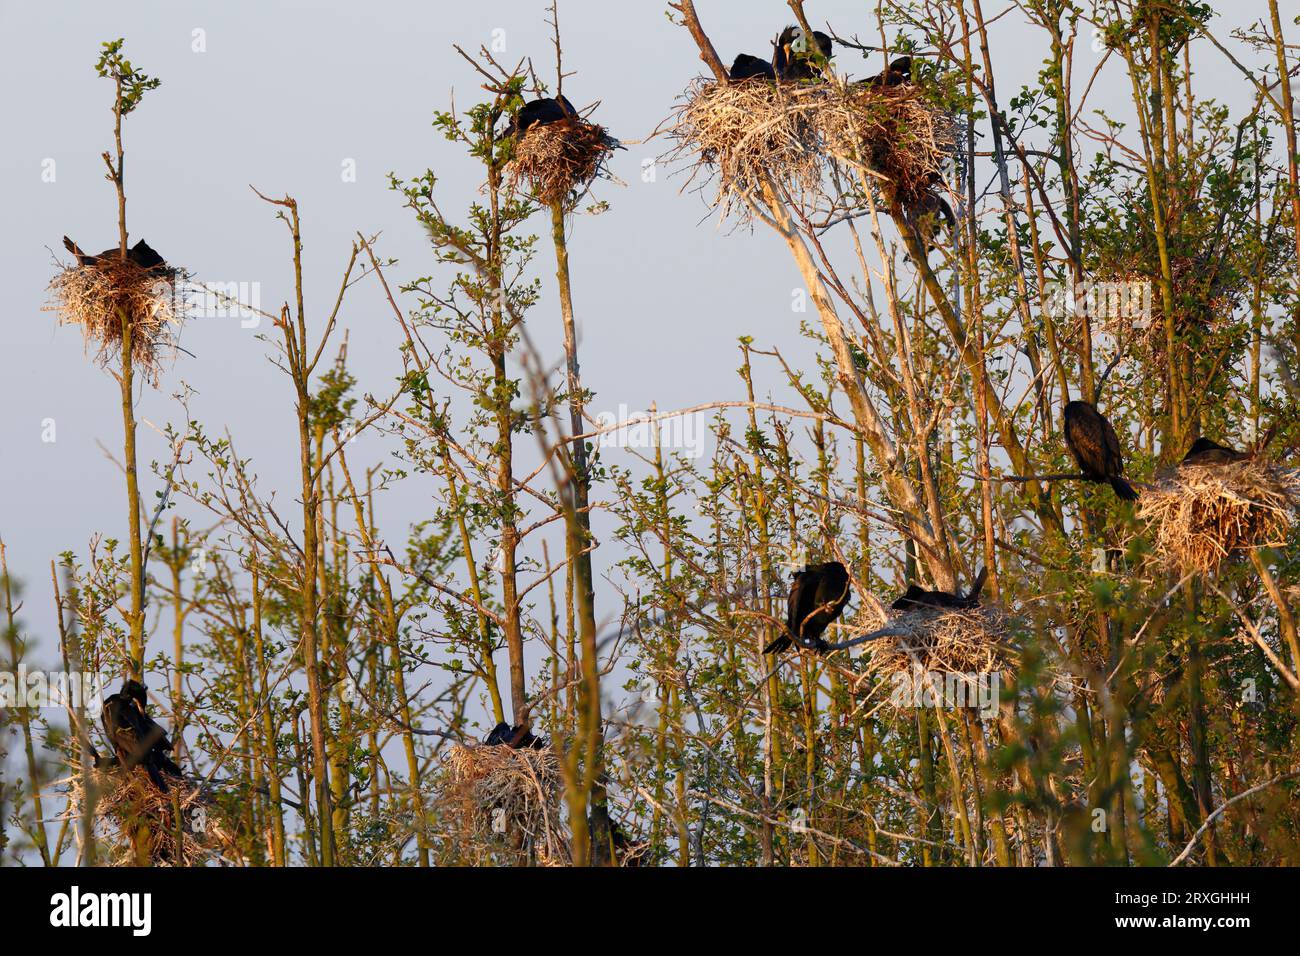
{"type": "Point", "coordinates": [1203, 514]}
{"type": "Point", "coordinates": [753, 129]}
{"type": "Point", "coordinates": [944, 641]}
{"type": "Point", "coordinates": [502, 795]}
{"type": "Point", "coordinates": [558, 159]}
{"type": "Point", "coordinates": [126, 800]}
{"type": "Point", "coordinates": [97, 296]}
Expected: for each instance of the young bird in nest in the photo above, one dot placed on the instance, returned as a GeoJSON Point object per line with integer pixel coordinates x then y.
{"type": "Point", "coordinates": [918, 597]}
{"type": "Point", "coordinates": [540, 112]}
{"type": "Point", "coordinates": [748, 67]}
{"type": "Point", "coordinates": [817, 597]}
{"type": "Point", "coordinates": [1095, 447]}
{"type": "Point", "coordinates": [898, 73]}
{"type": "Point", "coordinates": [136, 739]}
{"type": "Point", "coordinates": [795, 60]}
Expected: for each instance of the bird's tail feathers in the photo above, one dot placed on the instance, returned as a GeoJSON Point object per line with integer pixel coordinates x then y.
{"type": "Point", "coordinates": [1123, 489]}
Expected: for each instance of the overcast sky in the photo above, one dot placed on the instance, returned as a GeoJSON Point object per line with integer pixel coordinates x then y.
{"type": "Point", "coordinates": [287, 96]}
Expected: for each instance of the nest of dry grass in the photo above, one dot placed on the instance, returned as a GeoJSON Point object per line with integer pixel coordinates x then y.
{"type": "Point", "coordinates": [945, 641]}
{"type": "Point", "coordinates": [557, 160]}
{"type": "Point", "coordinates": [182, 824]}
{"type": "Point", "coordinates": [502, 797]}
{"type": "Point", "coordinates": [97, 296]}
{"type": "Point", "coordinates": [1203, 514]}
{"type": "Point", "coordinates": [744, 132]}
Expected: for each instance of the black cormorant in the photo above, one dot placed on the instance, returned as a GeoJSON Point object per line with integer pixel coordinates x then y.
{"type": "Point", "coordinates": [136, 739]}
{"type": "Point", "coordinates": [917, 597]}
{"type": "Point", "coordinates": [142, 254]}
{"type": "Point", "coordinates": [540, 113]}
{"type": "Point", "coordinates": [1207, 452]}
{"type": "Point", "coordinates": [817, 597]}
{"type": "Point", "coordinates": [518, 737]}
{"type": "Point", "coordinates": [1095, 447]}
{"type": "Point", "coordinates": [898, 73]}
{"type": "Point", "coordinates": [749, 67]}
{"type": "Point", "coordinates": [794, 59]}
{"type": "Point", "coordinates": [930, 216]}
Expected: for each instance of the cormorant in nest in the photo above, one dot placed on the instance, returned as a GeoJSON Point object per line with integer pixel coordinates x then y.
{"type": "Point", "coordinates": [817, 597]}
{"type": "Point", "coordinates": [540, 113]}
{"type": "Point", "coordinates": [918, 597]}
{"type": "Point", "coordinates": [794, 59]}
{"type": "Point", "coordinates": [518, 737]}
{"type": "Point", "coordinates": [142, 254]}
{"type": "Point", "coordinates": [748, 67]}
{"type": "Point", "coordinates": [136, 739]}
{"type": "Point", "coordinates": [898, 73]}
{"type": "Point", "coordinates": [1095, 447]}
{"type": "Point", "coordinates": [1207, 452]}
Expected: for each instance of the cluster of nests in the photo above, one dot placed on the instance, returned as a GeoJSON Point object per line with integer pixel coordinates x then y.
{"type": "Point", "coordinates": [109, 296]}
{"type": "Point", "coordinates": [556, 152]}
{"type": "Point", "coordinates": [785, 122]}
{"type": "Point", "coordinates": [934, 631]}
{"type": "Point", "coordinates": [139, 793]}
{"type": "Point", "coordinates": [1219, 502]}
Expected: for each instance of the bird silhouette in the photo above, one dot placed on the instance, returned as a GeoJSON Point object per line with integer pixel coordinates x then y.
{"type": "Point", "coordinates": [898, 73]}
{"type": "Point", "coordinates": [817, 597]}
{"type": "Point", "coordinates": [517, 737]}
{"type": "Point", "coordinates": [540, 112]}
{"type": "Point", "coordinates": [748, 67]}
{"type": "Point", "coordinates": [137, 740]}
{"type": "Point", "coordinates": [918, 597]}
{"type": "Point", "coordinates": [1095, 447]}
{"type": "Point", "coordinates": [1207, 452]}
{"type": "Point", "coordinates": [142, 254]}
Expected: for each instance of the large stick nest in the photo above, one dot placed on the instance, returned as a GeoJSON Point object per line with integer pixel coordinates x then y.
{"type": "Point", "coordinates": [945, 641]}
{"type": "Point", "coordinates": [1203, 514]}
{"type": "Point", "coordinates": [559, 159]}
{"type": "Point", "coordinates": [789, 133]}
{"type": "Point", "coordinates": [126, 802]}
{"type": "Point", "coordinates": [99, 296]}
{"type": "Point", "coordinates": [506, 797]}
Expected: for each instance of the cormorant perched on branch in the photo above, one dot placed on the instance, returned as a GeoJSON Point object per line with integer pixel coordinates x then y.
{"type": "Point", "coordinates": [917, 597]}
{"type": "Point", "coordinates": [137, 740]}
{"type": "Point", "coordinates": [898, 73]}
{"type": "Point", "coordinates": [518, 737]}
{"type": "Point", "coordinates": [794, 59]}
{"type": "Point", "coordinates": [1207, 452]}
{"type": "Point", "coordinates": [1095, 447]}
{"type": "Point", "coordinates": [817, 597]}
{"type": "Point", "coordinates": [540, 113]}
{"type": "Point", "coordinates": [748, 67]}
{"type": "Point", "coordinates": [142, 254]}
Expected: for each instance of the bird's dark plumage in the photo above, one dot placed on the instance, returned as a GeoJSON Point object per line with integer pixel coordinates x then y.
{"type": "Point", "coordinates": [898, 73]}
{"type": "Point", "coordinates": [137, 740]}
{"type": "Point", "coordinates": [817, 597]}
{"type": "Point", "coordinates": [794, 58]}
{"type": "Point", "coordinates": [518, 737]}
{"type": "Point", "coordinates": [1095, 447]}
{"type": "Point", "coordinates": [142, 254]}
{"type": "Point", "coordinates": [747, 67]}
{"type": "Point", "coordinates": [917, 597]}
{"type": "Point", "coordinates": [1207, 452]}
{"type": "Point", "coordinates": [540, 113]}
{"type": "Point", "coordinates": [930, 216]}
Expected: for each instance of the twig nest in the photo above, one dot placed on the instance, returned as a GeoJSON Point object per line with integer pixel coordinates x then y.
{"type": "Point", "coordinates": [98, 296]}
{"type": "Point", "coordinates": [790, 133]}
{"type": "Point", "coordinates": [556, 160]}
{"type": "Point", "coordinates": [975, 641]}
{"type": "Point", "coordinates": [126, 800]}
{"type": "Point", "coordinates": [1203, 514]}
{"type": "Point", "coordinates": [502, 795]}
